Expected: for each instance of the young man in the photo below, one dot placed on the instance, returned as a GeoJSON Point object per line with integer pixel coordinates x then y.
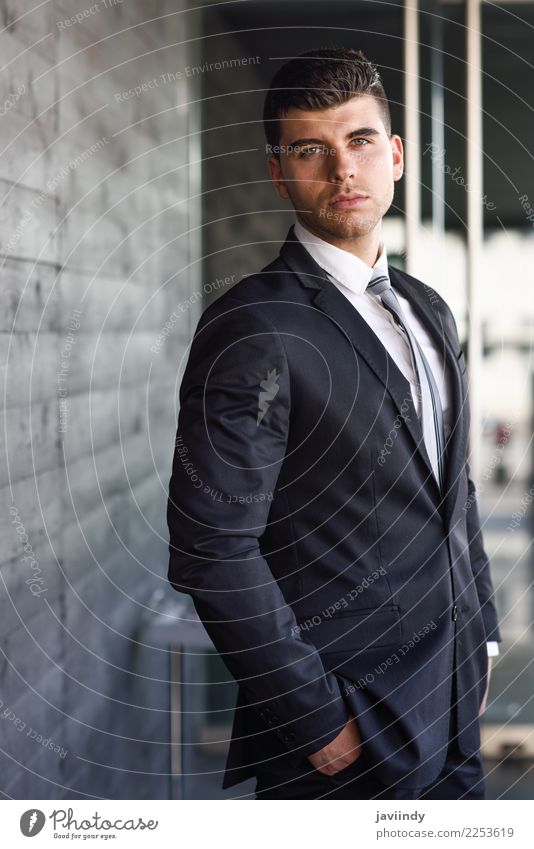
{"type": "Point", "coordinates": [320, 509]}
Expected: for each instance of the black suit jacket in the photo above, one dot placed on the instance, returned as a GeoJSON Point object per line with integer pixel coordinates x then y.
{"type": "Point", "coordinates": [307, 526]}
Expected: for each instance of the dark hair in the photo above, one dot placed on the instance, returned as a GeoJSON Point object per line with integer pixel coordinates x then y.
{"type": "Point", "coordinates": [319, 79]}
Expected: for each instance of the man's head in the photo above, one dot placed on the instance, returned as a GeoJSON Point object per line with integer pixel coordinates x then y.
{"type": "Point", "coordinates": [328, 129]}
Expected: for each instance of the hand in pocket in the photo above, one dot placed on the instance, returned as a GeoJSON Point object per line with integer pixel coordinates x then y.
{"type": "Point", "coordinates": [341, 752]}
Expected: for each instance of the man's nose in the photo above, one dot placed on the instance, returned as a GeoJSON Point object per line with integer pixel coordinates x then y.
{"type": "Point", "coordinates": [343, 165]}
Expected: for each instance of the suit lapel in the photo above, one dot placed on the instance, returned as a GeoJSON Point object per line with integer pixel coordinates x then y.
{"type": "Point", "coordinates": [457, 442]}
{"type": "Point", "coordinates": [333, 303]}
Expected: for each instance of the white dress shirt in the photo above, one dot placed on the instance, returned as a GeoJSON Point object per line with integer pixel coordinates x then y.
{"type": "Point", "coordinates": [350, 275]}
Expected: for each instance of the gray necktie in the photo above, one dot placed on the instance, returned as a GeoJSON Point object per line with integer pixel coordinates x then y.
{"type": "Point", "coordinates": [431, 413]}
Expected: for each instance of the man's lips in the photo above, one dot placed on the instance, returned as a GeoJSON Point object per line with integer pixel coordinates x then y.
{"type": "Point", "coordinates": [348, 200]}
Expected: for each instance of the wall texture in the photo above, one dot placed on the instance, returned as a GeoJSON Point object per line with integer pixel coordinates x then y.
{"type": "Point", "coordinates": [95, 249]}
{"type": "Point", "coordinates": [244, 220]}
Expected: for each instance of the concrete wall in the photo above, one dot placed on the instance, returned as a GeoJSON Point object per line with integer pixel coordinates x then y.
{"type": "Point", "coordinates": [95, 250]}
{"type": "Point", "coordinates": [244, 220]}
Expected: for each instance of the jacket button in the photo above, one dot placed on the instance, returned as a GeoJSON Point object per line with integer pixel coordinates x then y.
{"type": "Point", "coordinates": [454, 612]}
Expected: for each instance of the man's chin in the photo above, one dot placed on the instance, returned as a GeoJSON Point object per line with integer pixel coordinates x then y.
{"type": "Point", "coordinates": [345, 226]}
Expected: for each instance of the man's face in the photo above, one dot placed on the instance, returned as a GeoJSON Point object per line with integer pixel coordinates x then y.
{"type": "Point", "coordinates": [337, 167]}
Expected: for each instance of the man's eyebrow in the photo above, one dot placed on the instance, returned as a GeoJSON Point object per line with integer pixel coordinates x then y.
{"type": "Point", "coordinates": [304, 141]}
{"type": "Point", "coordinates": [362, 131]}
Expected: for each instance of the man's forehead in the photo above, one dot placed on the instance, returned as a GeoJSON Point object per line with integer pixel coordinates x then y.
{"type": "Point", "coordinates": [355, 109]}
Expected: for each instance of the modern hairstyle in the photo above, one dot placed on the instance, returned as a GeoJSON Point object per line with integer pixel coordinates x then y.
{"type": "Point", "coordinates": [319, 79]}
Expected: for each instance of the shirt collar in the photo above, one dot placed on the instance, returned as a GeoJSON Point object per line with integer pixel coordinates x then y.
{"type": "Point", "coordinates": [347, 269]}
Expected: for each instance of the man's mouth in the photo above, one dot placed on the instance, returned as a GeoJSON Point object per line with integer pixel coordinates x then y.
{"type": "Point", "coordinates": [348, 200]}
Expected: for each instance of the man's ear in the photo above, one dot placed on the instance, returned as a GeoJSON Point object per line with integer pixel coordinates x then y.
{"type": "Point", "coordinates": [275, 170]}
{"type": "Point", "coordinates": [398, 156]}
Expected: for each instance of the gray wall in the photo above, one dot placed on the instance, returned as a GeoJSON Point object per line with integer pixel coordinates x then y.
{"type": "Point", "coordinates": [245, 221]}
{"type": "Point", "coordinates": [95, 254]}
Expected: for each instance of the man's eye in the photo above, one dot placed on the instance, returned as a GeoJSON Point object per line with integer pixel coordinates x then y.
{"type": "Point", "coordinates": [361, 139]}
{"type": "Point", "coordinates": [309, 150]}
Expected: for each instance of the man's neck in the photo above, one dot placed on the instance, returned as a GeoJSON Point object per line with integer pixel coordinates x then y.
{"type": "Point", "coordinates": [366, 248]}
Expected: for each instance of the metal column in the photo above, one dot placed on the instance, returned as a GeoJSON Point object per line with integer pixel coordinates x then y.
{"type": "Point", "coordinates": [411, 134]}
{"type": "Point", "coordinates": [475, 226]}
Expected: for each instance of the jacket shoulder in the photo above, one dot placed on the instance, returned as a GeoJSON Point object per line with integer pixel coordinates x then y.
{"type": "Point", "coordinates": [262, 285]}
{"type": "Point", "coordinates": [257, 291]}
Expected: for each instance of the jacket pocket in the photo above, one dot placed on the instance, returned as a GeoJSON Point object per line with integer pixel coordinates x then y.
{"type": "Point", "coordinates": [461, 361]}
{"type": "Point", "coordinates": [350, 630]}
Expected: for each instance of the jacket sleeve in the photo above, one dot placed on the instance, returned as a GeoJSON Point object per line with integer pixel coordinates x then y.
{"type": "Point", "coordinates": [481, 567]}
{"type": "Point", "coordinates": [479, 560]}
{"type": "Point", "coordinates": [231, 439]}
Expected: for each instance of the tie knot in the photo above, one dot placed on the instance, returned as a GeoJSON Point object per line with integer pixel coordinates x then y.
{"type": "Point", "coordinates": [378, 283]}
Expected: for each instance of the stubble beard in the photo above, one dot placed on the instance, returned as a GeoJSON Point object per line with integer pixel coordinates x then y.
{"type": "Point", "coordinates": [347, 224]}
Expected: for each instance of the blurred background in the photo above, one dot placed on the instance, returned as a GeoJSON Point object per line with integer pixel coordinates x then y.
{"type": "Point", "coordinates": [134, 190]}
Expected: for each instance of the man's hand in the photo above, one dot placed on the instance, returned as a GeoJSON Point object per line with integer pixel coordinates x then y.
{"type": "Point", "coordinates": [341, 752]}
{"type": "Point", "coordinates": [483, 705]}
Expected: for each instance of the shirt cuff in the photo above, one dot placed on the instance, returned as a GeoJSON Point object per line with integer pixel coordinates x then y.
{"type": "Point", "coordinates": [493, 649]}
